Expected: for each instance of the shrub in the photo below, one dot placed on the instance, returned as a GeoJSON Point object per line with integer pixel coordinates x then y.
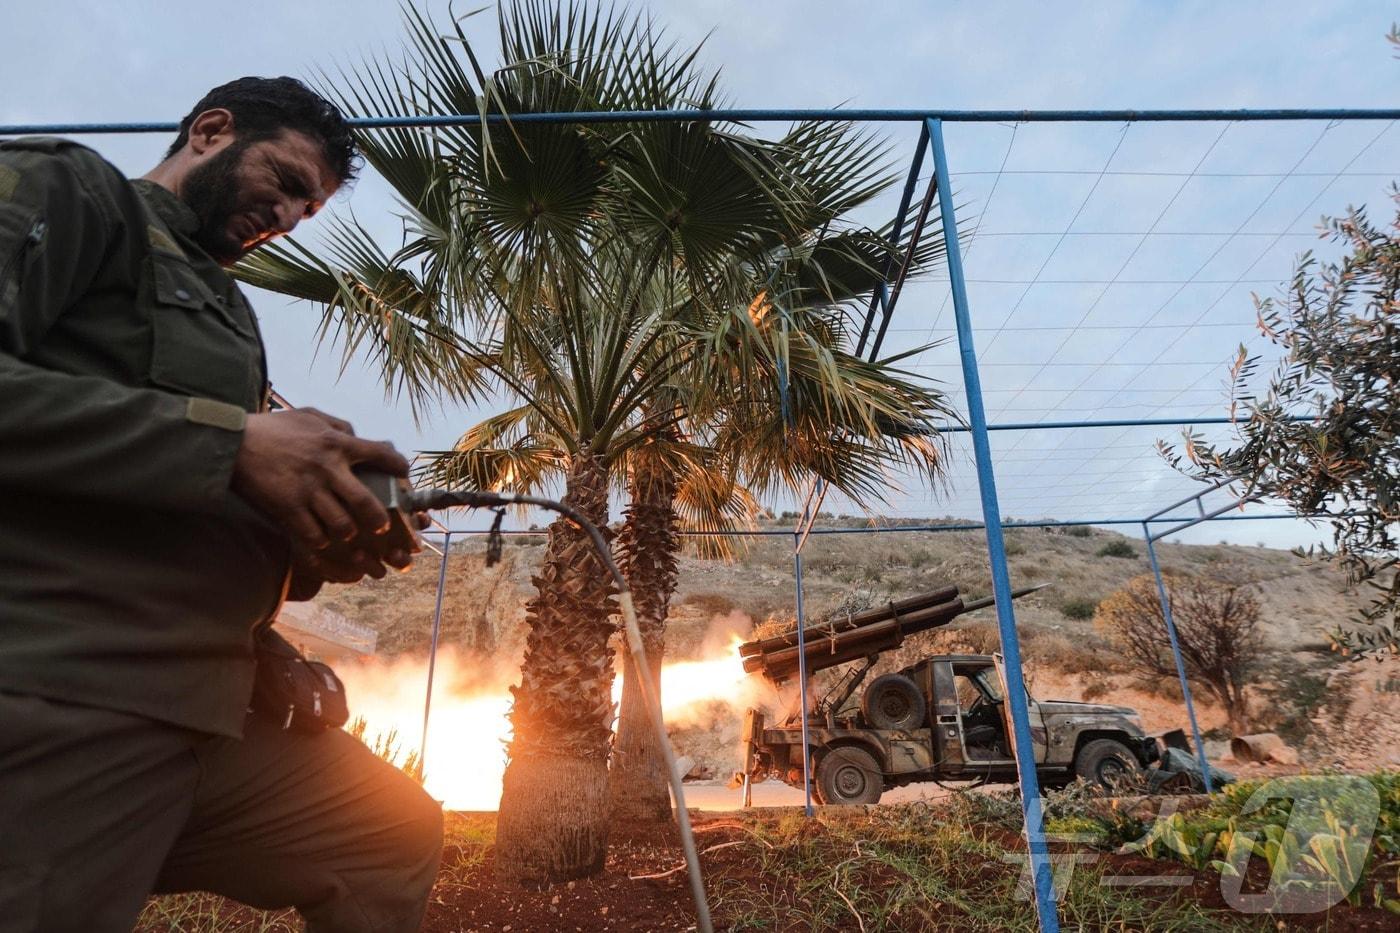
{"type": "Point", "coordinates": [1079, 531]}
{"type": "Point", "coordinates": [920, 557]}
{"type": "Point", "coordinates": [1116, 548]}
{"type": "Point", "coordinates": [1217, 624]}
{"type": "Point", "coordinates": [1080, 608]}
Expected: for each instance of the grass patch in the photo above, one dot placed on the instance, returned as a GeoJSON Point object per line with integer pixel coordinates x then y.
{"type": "Point", "coordinates": [917, 867]}
{"type": "Point", "coordinates": [1079, 608]}
{"type": "Point", "coordinates": [1116, 548]}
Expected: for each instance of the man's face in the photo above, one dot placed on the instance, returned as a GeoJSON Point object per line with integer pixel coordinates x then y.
{"type": "Point", "coordinates": [248, 193]}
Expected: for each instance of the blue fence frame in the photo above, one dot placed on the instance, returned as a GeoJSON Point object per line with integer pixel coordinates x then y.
{"type": "Point", "coordinates": [931, 124]}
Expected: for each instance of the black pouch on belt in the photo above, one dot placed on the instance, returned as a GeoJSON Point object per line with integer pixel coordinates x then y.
{"type": "Point", "coordinates": [297, 694]}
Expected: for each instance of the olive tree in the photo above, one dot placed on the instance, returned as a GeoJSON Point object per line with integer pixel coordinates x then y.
{"type": "Point", "coordinates": [1339, 328]}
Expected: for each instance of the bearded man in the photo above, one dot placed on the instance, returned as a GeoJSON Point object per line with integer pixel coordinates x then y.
{"type": "Point", "coordinates": [155, 515]}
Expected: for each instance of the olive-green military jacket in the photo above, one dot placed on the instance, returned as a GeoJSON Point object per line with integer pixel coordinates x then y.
{"type": "Point", "coordinates": [131, 577]}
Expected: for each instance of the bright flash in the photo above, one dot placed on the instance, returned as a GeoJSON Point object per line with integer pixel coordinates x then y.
{"type": "Point", "coordinates": [467, 726]}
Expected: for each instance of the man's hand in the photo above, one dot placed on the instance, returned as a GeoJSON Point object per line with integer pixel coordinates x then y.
{"type": "Point", "coordinates": [311, 571]}
{"type": "Point", "coordinates": [295, 467]}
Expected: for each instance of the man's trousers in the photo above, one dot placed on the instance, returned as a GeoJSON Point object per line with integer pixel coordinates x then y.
{"type": "Point", "coordinates": [98, 809]}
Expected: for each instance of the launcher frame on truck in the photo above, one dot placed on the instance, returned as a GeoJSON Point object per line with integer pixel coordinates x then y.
{"type": "Point", "coordinates": [940, 719]}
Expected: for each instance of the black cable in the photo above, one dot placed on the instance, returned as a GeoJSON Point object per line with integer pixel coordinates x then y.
{"type": "Point", "coordinates": [426, 500]}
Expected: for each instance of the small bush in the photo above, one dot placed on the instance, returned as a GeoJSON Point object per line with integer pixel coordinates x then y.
{"type": "Point", "coordinates": [713, 603]}
{"type": "Point", "coordinates": [1079, 608]}
{"type": "Point", "coordinates": [1116, 548]}
{"type": "Point", "coordinates": [920, 557]}
{"type": "Point", "coordinates": [1079, 531]}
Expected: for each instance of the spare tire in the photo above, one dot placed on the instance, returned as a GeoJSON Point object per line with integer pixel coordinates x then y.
{"type": "Point", "coordinates": [893, 701]}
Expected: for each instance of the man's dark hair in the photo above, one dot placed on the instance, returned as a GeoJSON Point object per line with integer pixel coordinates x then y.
{"type": "Point", "coordinates": [263, 107]}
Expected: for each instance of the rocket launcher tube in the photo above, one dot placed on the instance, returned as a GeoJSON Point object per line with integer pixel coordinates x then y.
{"type": "Point", "coordinates": [885, 634]}
{"type": "Point", "coordinates": [901, 607]}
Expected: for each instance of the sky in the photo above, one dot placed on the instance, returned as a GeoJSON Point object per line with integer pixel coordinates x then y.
{"type": "Point", "coordinates": [1110, 266]}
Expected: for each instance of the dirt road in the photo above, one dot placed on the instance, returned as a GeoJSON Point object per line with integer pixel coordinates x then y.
{"type": "Point", "coordinates": [715, 797]}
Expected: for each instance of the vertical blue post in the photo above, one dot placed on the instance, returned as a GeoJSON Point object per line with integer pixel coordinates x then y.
{"type": "Point", "coordinates": [996, 548]}
{"type": "Point", "coordinates": [1176, 655]}
{"type": "Point", "coordinates": [802, 677]}
{"type": "Point", "coordinates": [432, 651]}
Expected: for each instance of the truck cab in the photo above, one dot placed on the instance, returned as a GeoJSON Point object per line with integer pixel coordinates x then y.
{"type": "Point", "coordinates": [941, 719]}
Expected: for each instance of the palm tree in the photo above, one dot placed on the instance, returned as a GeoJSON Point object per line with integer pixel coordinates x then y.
{"type": "Point", "coordinates": [591, 272]}
{"type": "Point", "coordinates": [670, 486]}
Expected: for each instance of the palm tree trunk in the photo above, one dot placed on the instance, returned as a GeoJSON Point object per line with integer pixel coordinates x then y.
{"type": "Point", "coordinates": [648, 544]}
{"type": "Point", "coordinates": [553, 824]}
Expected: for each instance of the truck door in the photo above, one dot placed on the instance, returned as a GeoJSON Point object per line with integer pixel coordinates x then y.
{"type": "Point", "coordinates": [1037, 723]}
{"type": "Point", "coordinates": [945, 717]}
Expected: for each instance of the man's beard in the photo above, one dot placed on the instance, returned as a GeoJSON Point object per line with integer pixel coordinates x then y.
{"type": "Point", "coordinates": [211, 191]}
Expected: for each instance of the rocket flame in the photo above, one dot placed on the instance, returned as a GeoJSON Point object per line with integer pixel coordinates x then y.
{"type": "Point", "coordinates": [467, 726]}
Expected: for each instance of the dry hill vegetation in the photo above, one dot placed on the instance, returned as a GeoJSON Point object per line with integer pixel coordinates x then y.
{"type": "Point", "coordinates": [1339, 713]}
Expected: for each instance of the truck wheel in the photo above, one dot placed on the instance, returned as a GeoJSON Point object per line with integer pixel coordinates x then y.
{"type": "Point", "coordinates": [1105, 762]}
{"type": "Point", "coordinates": [893, 701]}
{"type": "Point", "coordinates": [849, 775]}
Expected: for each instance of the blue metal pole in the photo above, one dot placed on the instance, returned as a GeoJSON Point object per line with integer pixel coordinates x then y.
{"type": "Point", "coordinates": [1116, 423]}
{"type": "Point", "coordinates": [1176, 655]}
{"type": "Point", "coordinates": [1196, 498]}
{"type": "Point", "coordinates": [771, 116]}
{"type": "Point", "coordinates": [802, 683]}
{"type": "Point", "coordinates": [1217, 514]}
{"type": "Point", "coordinates": [432, 651]}
{"type": "Point", "coordinates": [996, 549]}
{"type": "Point", "coordinates": [966, 526]}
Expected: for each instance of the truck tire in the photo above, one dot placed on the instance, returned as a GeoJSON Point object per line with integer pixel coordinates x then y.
{"type": "Point", "coordinates": [893, 701]}
{"type": "Point", "coordinates": [1105, 762]}
{"type": "Point", "coordinates": [849, 776]}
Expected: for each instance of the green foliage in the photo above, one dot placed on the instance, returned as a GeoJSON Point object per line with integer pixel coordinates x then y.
{"type": "Point", "coordinates": [1323, 856]}
{"type": "Point", "coordinates": [1079, 608]}
{"type": "Point", "coordinates": [1340, 335]}
{"type": "Point", "coordinates": [1193, 842]}
{"type": "Point", "coordinates": [1116, 548]}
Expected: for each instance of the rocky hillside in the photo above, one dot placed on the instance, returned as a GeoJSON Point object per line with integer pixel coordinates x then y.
{"type": "Point", "coordinates": [1338, 713]}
